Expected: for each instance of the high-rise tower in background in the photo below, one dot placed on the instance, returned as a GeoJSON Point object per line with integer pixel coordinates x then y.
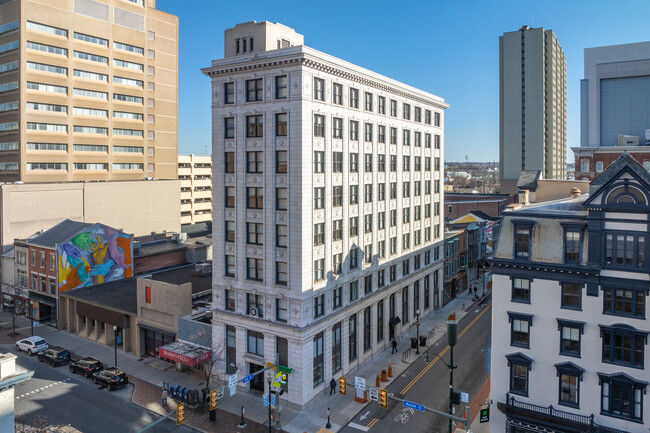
{"type": "Point", "coordinates": [88, 90]}
{"type": "Point", "coordinates": [532, 105]}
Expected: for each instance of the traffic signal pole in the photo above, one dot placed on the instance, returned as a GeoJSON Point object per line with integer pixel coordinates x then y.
{"type": "Point", "coordinates": [451, 340]}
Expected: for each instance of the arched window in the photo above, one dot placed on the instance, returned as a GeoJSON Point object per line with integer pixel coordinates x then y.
{"type": "Point", "coordinates": [626, 194]}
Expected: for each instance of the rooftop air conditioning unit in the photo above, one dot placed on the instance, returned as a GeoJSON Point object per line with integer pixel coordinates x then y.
{"type": "Point", "coordinates": [255, 312]}
{"type": "Point", "coordinates": [647, 137]}
{"type": "Point", "coordinates": [628, 140]}
{"type": "Point", "coordinates": [203, 268]}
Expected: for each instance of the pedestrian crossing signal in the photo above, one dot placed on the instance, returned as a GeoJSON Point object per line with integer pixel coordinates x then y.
{"type": "Point", "coordinates": [180, 413]}
{"type": "Point", "coordinates": [213, 399]}
{"type": "Point", "coordinates": [383, 398]}
{"type": "Point", "coordinates": [343, 385]}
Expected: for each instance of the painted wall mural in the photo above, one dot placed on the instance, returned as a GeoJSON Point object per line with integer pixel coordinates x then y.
{"type": "Point", "coordinates": [96, 255]}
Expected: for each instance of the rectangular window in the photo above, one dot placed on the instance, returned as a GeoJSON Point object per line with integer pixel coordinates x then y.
{"type": "Point", "coordinates": [336, 347]}
{"type": "Point", "coordinates": [622, 250]}
{"type": "Point", "coordinates": [572, 243]}
{"type": "Point", "coordinates": [281, 198]}
{"type": "Point", "coordinates": [381, 105]}
{"type": "Point", "coordinates": [281, 124]}
{"type": "Point", "coordinates": [255, 233]}
{"type": "Point", "coordinates": [519, 379]}
{"type": "Point", "coordinates": [255, 343]}
{"type": "Point", "coordinates": [381, 278]}
{"type": "Point", "coordinates": [521, 290]}
{"type": "Point", "coordinates": [406, 137]}
{"type": "Point", "coordinates": [254, 126]}
{"type": "Point", "coordinates": [406, 111]}
{"type": "Point", "coordinates": [229, 127]}
{"type": "Point", "coordinates": [354, 98]}
{"type": "Point", "coordinates": [281, 310]}
{"type": "Point", "coordinates": [229, 300]}
{"type": "Point", "coordinates": [281, 87]}
{"type": "Point", "coordinates": [229, 93]}
{"type": "Point", "coordinates": [368, 97]}
{"type": "Point", "coordinates": [520, 331]}
{"type": "Point", "coordinates": [319, 234]}
{"type": "Point", "coordinates": [623, 345]}
{"type": "Point", "coordinates": [354, 163]}
{"type": "Point", "coordinates": [624, 302]}
{"type": "Point", "coordinates": [621, 397]}
{"type": "Point", "coordinates": [570, 338]}
{"type": "Point", "coordinates": [281, 161]}
{"type": "Point", "coordinates": [281, 235]}
{"type": "Point", "coordinates": [337, 94]}
{"type": "Point", "coordinates": [319, 162]}
{"type": "Point", "coordinates": [354, 290]}
{"type": "Point", "coordinates": [368, 132]}
{"type": "Point", "coordinates": [571, 296]}
{"type": "Point", "coordinates": [354, 257]}
{"type": "Point", "coordinates": [354, 194]}
{"type": "Point", "coordinates": [319, 198]}
{"type": "Point", "coordinates": [319, 306]}
{"type": "Point", "coordinates": [381, 251]}
{"type": "Point", "coordinates": [230, 231]}
{"type": "Point", "coordinates": [367, 342]}
{"type": "Point", "coordinates": [352, 339]}
{"type": "Point", "coordinates": [393, 136]}
{"type": "Point", "coordinates": [319, 89]}
{"type": "Point", "coordinates": [393, 109]}
{"type": "Point", "coordinates": [230, 196]}
{"type": "Point", "coordinates": [254, 90]}
{"type": "Point", "coordinates": [255, 162]}
{"type": "Point", "coordinates": [354, 130]}
{"type": "Point", "coordinates": [255, 198]}
{"type": "Point", "coordinates": [381, 135]}
{"type": "Point", "coordinates": [38, 27]}
{"type": "Point", "coordinates": [405, 305]}
{"type": "Point", "coordinates": [147, 296]}
{"type": "Point", "coordinates": [337, 263]}
{"type": "Point", "coordinates": [436, 119]}
{"type": "Point", "coordinates": [337, 127]}
{"type": "Point", "coordinates": [337, 230]}
{"type": "Point", "coordinates": [255, 270]}
{"type": "Point", "coordinates": [522, 243]}
{"type": "Point", "coordinates": [319, 270]}
{"type": "Point", "coordinates": [319, 125]}
{"type": "Point", "coordinates": [337, 196]}
{"type": "Point", "coordinates": [337, 297]}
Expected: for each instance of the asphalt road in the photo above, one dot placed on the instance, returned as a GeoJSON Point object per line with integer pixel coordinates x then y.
{"type": "Point", "coordinates": [64, 398]}
{"type": "Point", "coordinates": [428, 384]}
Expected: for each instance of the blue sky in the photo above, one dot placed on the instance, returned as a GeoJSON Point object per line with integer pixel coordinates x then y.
{"type": "Point", "coordinates": [448, 48]}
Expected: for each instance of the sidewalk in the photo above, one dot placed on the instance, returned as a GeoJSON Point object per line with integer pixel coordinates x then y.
{"type": "Point", "coordinates": [148, 374]}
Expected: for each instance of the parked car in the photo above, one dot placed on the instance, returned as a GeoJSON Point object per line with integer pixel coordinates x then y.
{"type": "Point", "coordinates": [87, 366]}
{"type": "Point", "coordinates": [32, 345]}
{"type": "Point", "coordinates": [111, 377]}
{"type": "Point", "coordinates": [55, 356]}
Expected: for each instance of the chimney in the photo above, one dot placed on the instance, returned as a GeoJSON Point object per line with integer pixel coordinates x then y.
{"type": "Point", "coordinates": [575, 192]}
{"type": "Point", "coordinates": [523, 196]}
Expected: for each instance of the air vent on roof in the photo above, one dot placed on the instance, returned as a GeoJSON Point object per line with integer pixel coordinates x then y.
{"type": "Point", "coordinates": [203, 268]}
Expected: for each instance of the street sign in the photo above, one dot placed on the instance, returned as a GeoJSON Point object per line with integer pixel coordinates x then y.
{"type": "Point", "coordinates": [360, 393]}
{"type": "Point", "coordinates": [268, 364]}
{"type": "Point", "coordinates": [265, 397]}
{"type": "Point", "coordinates": [232, 380]}
{"type": "Point", "coordinates": [247, 378]}
{"type": "Point", "coordinates": [233, 390]}
{"type": "Point", "coordinates": [359, 382]}
{"type": "Point", "coordinates": [272, 399]}
{"type": "Point", "coordinates": [37, 323]}
{"type": "Point", "coordinates": [374, 394]}
{"type": "Point", "coordinates": [485, 415]}
{"type": "Point", "coordinates": [464, 397]}
{"type": "Point", "coordinates": [220, 391]}
{"type": "Point", "coordinates": [276, 384]}
{"type": "Point", "coordinates": [412, 405]}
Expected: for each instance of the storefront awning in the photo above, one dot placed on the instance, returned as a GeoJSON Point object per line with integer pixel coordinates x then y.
{"type": "Point", "coordinates": [185, 353]}
{"type": "Point", "coordinates": [394, 321]}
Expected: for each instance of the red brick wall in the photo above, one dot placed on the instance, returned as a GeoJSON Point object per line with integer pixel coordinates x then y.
{"type": "Point", "coordinates": [461, 209]}
{"type": "Point", "coordinates": [606, 159]}
{"type": "Point", "coordinates": [159, 261]}
{"type": "Point", "coordinates": [49, 270]}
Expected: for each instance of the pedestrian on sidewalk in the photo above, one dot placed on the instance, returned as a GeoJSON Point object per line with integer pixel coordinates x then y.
{"type": "Point", "coordinates": [475, 290]}
{"type": "Point", "coordinates": [394, 344]}
{"type": "Point", "coordinates": [332, 386]}
{"type": "Point", "coordinates": [164, 397]}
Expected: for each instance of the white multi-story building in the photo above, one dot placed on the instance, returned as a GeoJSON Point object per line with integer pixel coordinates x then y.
{"type": "Point", "coordinates": [195, 174]}
{"type": "Point", "coordinates": [328, 188]}
{"type": "Point", "coordinates": [570, 288]}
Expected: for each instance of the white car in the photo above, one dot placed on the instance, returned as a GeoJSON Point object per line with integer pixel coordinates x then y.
{"type": "Point", "coordinates": [32, 345]}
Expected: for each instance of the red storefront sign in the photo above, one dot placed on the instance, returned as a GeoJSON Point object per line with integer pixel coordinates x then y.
{"type": "Point", "coordinates": [186, 359]}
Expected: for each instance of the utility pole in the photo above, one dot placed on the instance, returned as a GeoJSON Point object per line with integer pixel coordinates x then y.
{"type": "Point", "coordinates": [451, 340]}
{"type": "Point", "coordinates": [268, 379]}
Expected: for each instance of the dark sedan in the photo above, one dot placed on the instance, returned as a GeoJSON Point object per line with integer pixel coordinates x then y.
{"type": "Point", "coordinates": [87, 366]}
{"type": "Point", "coordinates": [112, 378]}
{"type": "Point", "coordinates": [54, 356]}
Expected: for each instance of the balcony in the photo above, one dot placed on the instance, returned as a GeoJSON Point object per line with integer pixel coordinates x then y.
{"type": "Point", "coordinates": [548, 416]}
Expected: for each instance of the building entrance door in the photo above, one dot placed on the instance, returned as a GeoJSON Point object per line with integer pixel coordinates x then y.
{"type": "Point", "coordinates": [258, 380]}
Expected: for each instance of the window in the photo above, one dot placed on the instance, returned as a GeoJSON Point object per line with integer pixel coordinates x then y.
{"type": "Point", "coordinates": [572, 244]}
{"type": "Point", "coordinates": [406, 111]}
{"type": "Point", "coordinates": [128, 65]}
{"type": "Point", "coordinates": [352, 339]}
{"type": "Point", "coordinates": [281, 198]}
{"type": "Point", "coordinates": [319, 89]}
{"type": "Point", "coordinates": [337, 297]}
{"type": "Point", "coordinates": [255, 233]}
{"type": "Point", "coordinates": [319, 125]}
{"type": "Point", "coordinates": [281, 125]}
{"type": "Point", "coordinates": [381, 278]}
{"type": "Point", "coordinates": [229, 93]}
{"type": "Point", "coordinates": [436, 119]}
{"type": "Point", "coordinates": [584, 165]}
{"type": "Point", "coordinates": [571, 296]}
{"type": "Point", "coordinates": [368, 132]}
{"type": "Point", "coordinates": [319, 306]}
{"type": "Point", "coordinates": [319, 234]}
{"type": "Point", "coordinates": [393, 246]}
{"type": "Point", "coordinates": [354, 194]}
{"type": "Point", "coordinates": [381, 105]}
{"type": "Point", "coordinates": [281, 310]}
{"type": "Point", "coordinates": [336, 347]}
{"type": "Point", "coordinates": [281, 161]}
{"type": "Point", "coordinates": [230, 231]}
{"type": "Point", "coordinates": [38, 27]}
{"type": "Point", "coordinates": [255, 197]}
{"type": "Point", "coordinates": [337, 94]}
{"type": "Point", "coordinates": [337, 263]}
{"type": "Point", "coordinates": [368, 97]}
{"type": "Point", "coordinates": [319, 162]}
{"type": "Point", "coordinates": [519, 368]}
{"type": "Point", "coordinates": [90, 57]}
{"type": "Point", "coordinates": [354, 130]}
{"type": "Point", "coordinates": [623, 345]}
{"type": "Point", "coordinates": [337, 127]}
{"type": "Point", "coordinates": [520, 329]}
{"type": "Point", "coordinates": [622, 396]}
{"type": "Point", "coordinates": [406, 137]}
{"type": "Point", "coordinates": [367, 254]}
{"type": "Point", "coordinates": [522, 240]}
{"type": "Point", "coordinates": [354, 290]}
{"type": "Point", "coordinates": [254, 90]}
{"type": "Point", "coordinates": [319, 269]}
{"type": "Point", "coordinates": [354, 255]}
{"type": "Point", "coordinates": [393, 137]}
{"type": "Point", "coordinates": [381, 192]}
{"type": "Point", "coordinates": [281, 87]}
{"type": "Point", "coordinates": [599, 166]}
{"type": "Point", "coordinates": [281, 235]}
{"type": "Point", "coordinates": [367, 223]}
{"type": "Point", "coordinates": [319, 198]}
{"type": "Point", "coordinates": [255, 270]}
{"type": "Point", "coordinates": [229, 300]}
{"type": "Point", "coordinates": [624, 302]}
{"type": "Point", "coordinates": [393, 272]}
{"type": "Point", "coordinates": [406, 267]}
{"type": "Point", "coordinates": [570, 376]}
{"type": "Point", "coordinates": [229, 127]}
{"type": "Point", "coordinates": [405, 305]}
{"type": "Point", "coordinates": [337, 196]}
{"type": "Point", "coordinates": [354, 98]}
{"type": "Point", "coordinates": [367, 342]}
{"type": "Point", "coordinates": [625, 250]}
{"type": "Point", "coordinates": [437, 141]}
{"type": "Point", "coordinates": [406, 163]}
{"type": "Point", "coordinates": [254, 126]}
{"type": "Point", "coordinates": [393, 109]}
{"type": "Point", "coordinates": [406, 215]}
{"type": "Point", "coordinates": [125, 47]}
{"type": "Point", "coordinates": [255, 162]}
{"type": "Point", "coordinates": [381, 250]}
{"type": "Point", "coordinates": [418, 141]}
{"type": "Point", "coordinates": [230, 196]}
{"type": "Point", "coordinates": [47, 48]}
{"type": "Point", "coordinates": [337, 230]}
{"type": "Point", "coordinates": [521, 290]}
{"type": "Point", "coordinates": [354, 162]}
{"type": "Point", "coordinates": [570, 336]}
{"type": "Point", "coordinates": [255, 343]}
{"type": "Point", "coordinates": [406, 190]}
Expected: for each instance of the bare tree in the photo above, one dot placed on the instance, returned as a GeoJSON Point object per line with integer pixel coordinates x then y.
{"type": "Point", "coordinates": [215, 367]}
{"type": "Point", "coordinates": [34, 424]}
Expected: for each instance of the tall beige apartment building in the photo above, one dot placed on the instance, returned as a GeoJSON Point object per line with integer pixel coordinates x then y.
{"type": "Point", "coordinates": [532, 102]}
{"type": "Point", "coordinates": [195, 175]}
{"type": "Point", "coordinates": [88, 90]}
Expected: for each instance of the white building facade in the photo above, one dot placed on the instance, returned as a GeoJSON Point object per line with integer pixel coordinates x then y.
{"type": "Point", "coordinates": [327, 183]}
{"type": "Point", "coordinates": [570, 287]}
{"type": "Point", "coordinates": [195, 175]}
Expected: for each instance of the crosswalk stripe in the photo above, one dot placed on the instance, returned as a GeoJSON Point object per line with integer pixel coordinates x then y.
{"type": "Point", "coordinates": [358, 427]}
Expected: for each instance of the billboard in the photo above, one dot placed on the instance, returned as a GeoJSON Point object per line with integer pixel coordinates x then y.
{"type": "Point", "coordinates": [96, 255]}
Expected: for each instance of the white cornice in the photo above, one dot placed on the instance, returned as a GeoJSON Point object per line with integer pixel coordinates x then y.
{"type": "Point", "coordinates": [313, 59]}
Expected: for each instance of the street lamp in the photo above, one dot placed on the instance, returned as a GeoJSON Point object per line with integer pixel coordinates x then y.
{"type": "Point", "coordinates": [417, 332]}
{"type": "Point", "coordinates": [31, 315]}
{"type": "Point", "coordinates": [451, 340]}
{"type": "Point", "coordinates": [115, 330]}
{"type": "Point", "coordinates": [268, 379]}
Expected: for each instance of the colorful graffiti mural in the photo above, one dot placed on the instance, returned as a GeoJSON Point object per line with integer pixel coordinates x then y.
{"type": "Point", "coordinates": [96, 255]}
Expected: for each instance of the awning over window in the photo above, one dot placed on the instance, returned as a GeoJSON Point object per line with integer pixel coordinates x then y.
{"type": "Point", "coordinates": [394, 321]}
{"type": "Point", "coordinates": [185, 353]}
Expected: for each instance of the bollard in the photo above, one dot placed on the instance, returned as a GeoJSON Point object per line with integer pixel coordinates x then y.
{"type": "Point", "coordinates": [242, 423]}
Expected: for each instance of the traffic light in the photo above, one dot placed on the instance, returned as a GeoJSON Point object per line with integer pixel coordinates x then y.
{"type": "Point", "coordinates": [343, 385]}
{"type": "Point", "coordinates": [213, 400]}
{"type": "Point", "coordinates": [383, 398]}
{"type": "Point", "coordinates": [180, 413]}
{"type": "Point", "coordinates": [455, 397]}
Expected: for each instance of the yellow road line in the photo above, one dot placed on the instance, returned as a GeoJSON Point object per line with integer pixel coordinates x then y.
{"type": "Point", "coordinates": [373, 422]}
{"type": "Point", "coordinates": [425, 369]}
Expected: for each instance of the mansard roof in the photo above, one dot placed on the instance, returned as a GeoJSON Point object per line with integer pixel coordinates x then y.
{"type": "Point", "coordinates": [624, 171]}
